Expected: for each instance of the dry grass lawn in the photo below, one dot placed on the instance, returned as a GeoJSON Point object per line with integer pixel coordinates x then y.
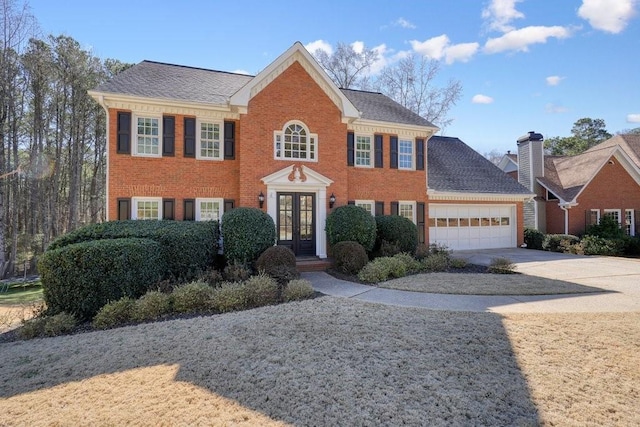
{"type": "Point", "coordinates": [332, 361]}
{"type": "Point", "coordinates": [485, 284]}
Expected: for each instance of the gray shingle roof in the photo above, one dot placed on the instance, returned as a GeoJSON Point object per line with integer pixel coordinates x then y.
{"type": "Point", "coordinates": [175, 82]}
{"type": "Point", "coordinates": [376, 106]}
{"type": "Point", "coordinates": [453, 166]}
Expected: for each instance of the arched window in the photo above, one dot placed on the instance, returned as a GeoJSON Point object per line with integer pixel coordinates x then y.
{"type": "Point", "coordinates": [295, 141]}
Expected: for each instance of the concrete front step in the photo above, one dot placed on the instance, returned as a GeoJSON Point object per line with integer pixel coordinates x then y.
{"type": "Point", "coordinates": [312, 264]}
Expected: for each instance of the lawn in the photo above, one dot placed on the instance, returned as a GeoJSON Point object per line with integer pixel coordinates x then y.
{"type": "Point", "coordinates": [332, 361]}
{"type": "Point", "coordinates": [22, 293]}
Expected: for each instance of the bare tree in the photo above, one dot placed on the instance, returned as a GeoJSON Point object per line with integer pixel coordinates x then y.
{"type": "Point", "coordinates": [412, 83]}
{"type": "Point", "coordinates": [494, 156]}
{"type": "Point", "coordinates": [345, 66]}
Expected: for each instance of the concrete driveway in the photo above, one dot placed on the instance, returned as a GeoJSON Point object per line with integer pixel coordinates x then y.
{"type": "Point", "coordinates": [620, 277]}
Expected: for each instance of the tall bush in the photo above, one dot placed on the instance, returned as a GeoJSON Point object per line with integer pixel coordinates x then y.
{"type": "Point", "coordinates": [82, 277]}
{"type": "Point", "coordinates": [246, 233]}
{"type": "Point", "coordinates": [533, 238]}
{"type": "Point", "coordinates": [607, 228]}
{"type": "Point", "coordinates": [351, 223]}
{"type": "Point", "coordinates": [397, 231]}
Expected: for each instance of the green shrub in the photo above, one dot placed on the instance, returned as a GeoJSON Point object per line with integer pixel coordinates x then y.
{"type": "Point", "coordinates": [501, 266]}
{"type": "Point", "coordinates": [411, 264]}
{"type": "Point", "coordinates": [236, 272]}
{"type": "Point", "coordinates": [297, 290]}
{"type": "Point", "coordinates": [422, 251]}
{"type": "Point", "coordinates": [194, 297]}
{"type": "Point", "coordinates": [188, 247]}
{"type": "Point", "coordinates": [351, 223]}
{"type": "Point", "coordinates": [607, 228]}
{"type": "Point", "coordinates": [349, 257]}
{"type": "Point", "coordinates": [47, 326]}
{"type": "Point", "coordinates": [115, 313]}
{"type": "Point", "coordinates": [593, 245]}
{"type": "Point", "coordinates": [439, 248]}
{"type": "Point", "coordinates": [246, 233]}
{"type": "Point", "coordinates": [82, 277]}
{"type": "Point", "coordinates": [381, 269]}
{"type": "Point", "coordinates": [436, 262]}
{"type": "Point", "coordinates": [211, 277]}
{"type": "Point", "coordinates": [261, 290]}
{"type": "Point", "coordinates": [396, 230]}
{"type": "Point", "coordinates": [229, 297]}
{"type": "Point", "coordinates": [151, 306]}
{"type": "Point", "coordinates": [458, 263]}
{"type": "Point", "coordinates": [386, 249]}
{"type": "Point", "coordinates": [533, 238]}
{"type": "Point", "coordinates": [632, 245]}
{"type": "Point", "coordinates": [278, 262]}
{"type": "Point", "coordinates": [552, 242]}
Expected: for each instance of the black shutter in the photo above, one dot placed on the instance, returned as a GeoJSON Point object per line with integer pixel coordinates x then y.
{"type": "Point", "coordinates": [189, 209]}
{"type": "Point", "coordinates": [351, 202]}
{"type": "Point", "coordinates": [124, 133]}
{"type": "Point", "coordinates": [420, 154]}
{"type": "Point", "coordinates": [393, 162]}
{"type": "Point", "coordinates": [124, 209]}
{"type": "Point", "coordinates": [229, 140]}
{"type": "Point", "coordinates": [395, 208]}
{"type": "Point", "coordinates": [350, 149]}
{"type": "Point", "coordinates": [228, 204]}
{"type": "Point", "coordinates": [378, 151]}
{"type": "Point", "coordinates": [189, 137]}
{"type": "Point", "coordinates": [379, 208]}
{"type": "Point", "coordinates": [168, 211]}
{"type": "Point", "coordinates": [420, 222]}
{"type": "Point", "coordinates": [168, 135]}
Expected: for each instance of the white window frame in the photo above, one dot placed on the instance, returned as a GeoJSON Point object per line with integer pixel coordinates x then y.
{"type": "Point", "coordinates": [370, 151]}
{"type": "Point", "coordinates": [134, 206]}
{"type": "Point", "coordinates": [597, 211]}
{"type": "Point", "coordinates": [616, 211]}
{"type": "Point", "coordinates": [134, 134]}
{"type": "Point", "coordinates": [413, 153]}
{"type": "Point", "coordinates": [370, 203]}
{"type": "Point", "coordinates": [632, 222]}
{"type": "Point", "coordinates": [413, 209]}
{"type": "Point", "coordinates": [199, 202]}
{"type": "Point", "coordinates": [199, 124]}
{"type": "Point", "coordinates": [312, 143]}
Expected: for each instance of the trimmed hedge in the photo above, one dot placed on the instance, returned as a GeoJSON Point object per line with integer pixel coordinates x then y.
{"type": "Point", "coordinates": [349, 257]}
{"type": "Point", "coordinates": [351, 223]}
{"type": "Point", "coordinates": [396, 230]}
{"type": "Point", "coordinates": [188, 247]}
{"type": "Point", "coordinates": [533, 238]}
{"type": "Point", "coordinates": [81, 278]}
{"type": "Point", "coordinates": [556, 242]}
{"type": "Point", "coordinates": [246, 233]}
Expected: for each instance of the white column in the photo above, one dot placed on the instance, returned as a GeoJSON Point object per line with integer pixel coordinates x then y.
{"type": "Point", "coordinates": [321, 219]}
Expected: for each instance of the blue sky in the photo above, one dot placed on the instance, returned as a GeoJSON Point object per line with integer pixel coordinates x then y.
{"type": "Point", "coordinates": [524, 64]}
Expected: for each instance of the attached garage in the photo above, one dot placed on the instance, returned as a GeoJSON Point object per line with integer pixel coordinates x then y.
{"type": "Point", "coordinates": [467, 226]}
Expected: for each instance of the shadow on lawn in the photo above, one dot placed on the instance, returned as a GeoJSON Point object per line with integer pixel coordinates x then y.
{"type": "Point", "coordinates": [321, 362]}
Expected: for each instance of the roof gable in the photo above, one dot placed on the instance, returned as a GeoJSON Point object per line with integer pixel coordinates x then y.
{"type": "Point", "coordinates": [296, 53]}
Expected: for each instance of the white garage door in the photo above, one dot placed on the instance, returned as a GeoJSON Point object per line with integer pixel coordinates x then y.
{"type": "Point", "coordinates": [462, 227]}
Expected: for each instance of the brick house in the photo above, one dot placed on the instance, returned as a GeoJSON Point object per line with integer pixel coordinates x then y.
{"type": "Point", "coordinates": [189, 144]}
{"type": "Point", "coordinates": [573, 192]}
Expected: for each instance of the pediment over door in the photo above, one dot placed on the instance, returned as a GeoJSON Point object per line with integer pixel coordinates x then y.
{"type": "Point", "coordinates": [297, 175]}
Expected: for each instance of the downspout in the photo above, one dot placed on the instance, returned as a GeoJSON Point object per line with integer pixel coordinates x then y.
{"type": "Point", "coordinates": [566, 217]}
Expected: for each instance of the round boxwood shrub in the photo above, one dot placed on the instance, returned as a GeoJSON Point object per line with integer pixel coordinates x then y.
{"type": "Point", "coordinates": [556, 242]}
{"type": "Point", "coordinates": [398, 231]}
{"type": "Point", "coordinates": [275, 256]}
{"type": "Point", "coordinates": [83, 277]}
{"type": "Point", "coordinates": [246, 233]}
{"type": "Point", "coordinates": [349, 257]}
{"type": "Point", "coordinates": [533, 238]}
{"type": "Point", "coordinates": [351, 223]}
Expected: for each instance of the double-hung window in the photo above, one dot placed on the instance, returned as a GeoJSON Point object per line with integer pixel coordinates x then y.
{"type": "Point", "coordinates": [209, 209]}
{"type": "Point", "coordinates": [629, 222]}
{"type": "Point", "coordinates": [147, 208]}
{"type": "Point", "coordinates": [148, 136]}
{"type": "Point", "coordinates": [367, 205]}
{"type": "Point", "coordinates": [363, 150]}
{"type": "Point", "coordinates": [405, 154]}
{"type": "Point", "coordinates": [613, 213]}
{"type": "Point", "coordinates": [209, 140]}
{"type": "Point", "coordinates": [295, 141]}
{"type": "Point", "coordinates": [407, 210]}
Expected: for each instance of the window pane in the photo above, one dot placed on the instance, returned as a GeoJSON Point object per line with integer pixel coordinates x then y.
{"type": "Point", "coordinates": [363, 151]}
{"type": "Point", "coordinates": [148, 141]}
{"type": "Point", "coordinates": [464, 222]}
{"type": "Point", "coordinates": [405, 154]}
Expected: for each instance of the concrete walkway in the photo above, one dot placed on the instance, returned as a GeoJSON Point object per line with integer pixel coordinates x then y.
{"type": "Point", "coordinates": [620, 277]}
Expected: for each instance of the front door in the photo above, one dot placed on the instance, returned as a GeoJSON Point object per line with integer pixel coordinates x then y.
{"type": "Point", "coordinates": [296, 222]}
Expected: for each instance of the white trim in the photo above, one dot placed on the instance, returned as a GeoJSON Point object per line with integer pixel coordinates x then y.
{"type": "Point", "coordinates": [371, 150]}
{"type": "Point", "coordinates": [134, 134]}
{"type": "Point", "coordinates": [198, 209]}
{"type": "Point", "coordinates": [371, 203]}
{"type": "Point", "coordinates": [412, 203]}
{"type": "Point", "coordinates": [412, 144]}
{"type": "Point", "coordinates": [367, 126]}
{"type": "Point", "coordinates": [136, 200]}
{"type": "Point", "coordinates": [597, 211]}
{"type": "Point", "coordinates": [309, 136]}
{"type": "Point", "coordinates": [452, 196]}
{"type": "Point", "coordinates": [616, 211]}
{"type": "Point", "coordinates": [199, 123]}
{"type": "Point", "coordinates": [632, 220]}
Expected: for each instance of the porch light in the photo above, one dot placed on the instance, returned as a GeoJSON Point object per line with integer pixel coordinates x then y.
{"type": "Point", "coordinates": [261, 199]}
{"type": "Point", "coordinates": [332, 200]}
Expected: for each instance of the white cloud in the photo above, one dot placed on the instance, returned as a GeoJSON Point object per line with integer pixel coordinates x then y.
{"type": "Point", "coordinates": [500, 13]}
{"type": "Point", "coordinates": [401, 22]}
{"type": "Point", "coordinates": [481, 99]}
{"type": "Point", "coordinates": [357, 46]}
{"type": "Point", "coordinates": [382, 61]}
{"type": "Point", "coordinates": [519, 40]}
{"type": "Point", "coordinates": [241, 72]}
{"type": "Point", "coordinates": [607, 15]}
{"type": "Point", "coordinates": [440, 47]}
{"type": "Point", "coordinates": [554, 80]}
{"type": "Point", "coordinates": [551, 108]}
{"type": "Point", "coordinates": [319, 44]}
{"type": "Point", "coordinates": [633, 118]}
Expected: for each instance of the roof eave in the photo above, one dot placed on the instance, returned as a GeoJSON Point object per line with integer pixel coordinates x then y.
{"type": "Point", "coordinates": [109, 99]}
{"type": "Point", "coordinates": [362, 124]}
{"type": "Point", "coordinates": [488, 197]}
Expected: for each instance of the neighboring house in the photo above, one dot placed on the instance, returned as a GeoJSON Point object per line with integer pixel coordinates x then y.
{"type": "Point", "coordinates": [573, 192]}
{"type": "Point", "coordinates": [509, 164]}
{"type": "Point", "coordinates": [189, 144]}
